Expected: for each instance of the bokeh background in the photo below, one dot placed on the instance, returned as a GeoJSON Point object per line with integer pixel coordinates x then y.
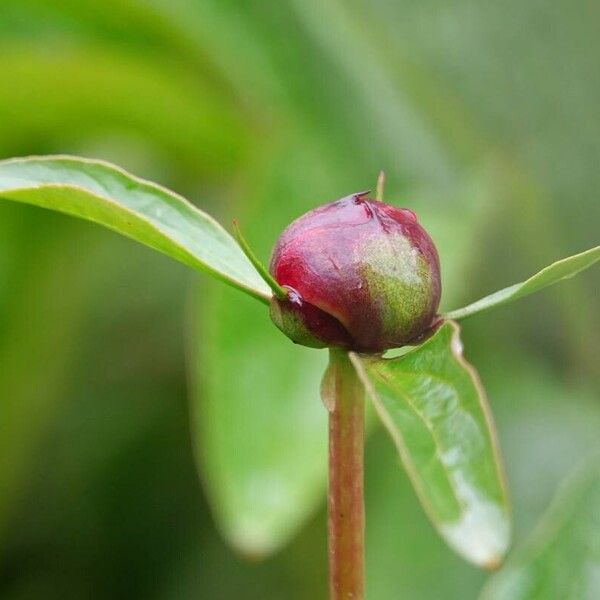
{"type": "Point", "coordinates": [485, 117]}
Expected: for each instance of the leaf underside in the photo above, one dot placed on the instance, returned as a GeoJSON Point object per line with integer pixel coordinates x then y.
{"type": "Point", "coordinates": [561, 269]}
{"type": "Point", "coordinates": [432, 404]}
{"type": "Point", "coordinates": [148, 213]}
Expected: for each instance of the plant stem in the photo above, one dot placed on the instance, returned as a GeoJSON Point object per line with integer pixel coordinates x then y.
{"type": "Point", "coordinates": [343, 395]}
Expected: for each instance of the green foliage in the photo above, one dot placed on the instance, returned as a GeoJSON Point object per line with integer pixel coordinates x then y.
{"type": "Point", "coordinates": [430, 400]}
{"type": "Point", "coordinates": [562, 558]}
{"type": "Point", "coordinates": [562, 269]}
{"type": "Point", "coordinates": [260, 429]}
{"type": "Point", "coordinates": [433, 406]}
{"type": "Point", "coordinates": [262, 111]}
{"type": "Point", "coordinates": [144, 211]}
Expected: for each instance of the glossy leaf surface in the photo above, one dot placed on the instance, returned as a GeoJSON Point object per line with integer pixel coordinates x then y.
{"type": "Point", "coordinates": [562, 559]}
{"type": "Point", "coordinates": [432, 404]}
{"type": "Point", "coordinates": [146, 212]}
{"type": "Point", "coordinates": [561, 269]}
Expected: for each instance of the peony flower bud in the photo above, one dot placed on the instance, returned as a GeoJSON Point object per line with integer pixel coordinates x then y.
{"type": "Point", "coordinates": [360, 275]}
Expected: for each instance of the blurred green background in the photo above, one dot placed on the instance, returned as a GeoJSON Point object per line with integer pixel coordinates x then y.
{"type": "Point", "coordinates": [486, 119]}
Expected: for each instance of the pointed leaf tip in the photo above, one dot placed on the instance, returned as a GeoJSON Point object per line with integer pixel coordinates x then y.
{"type": "Point", "coordinates": [562, 269]}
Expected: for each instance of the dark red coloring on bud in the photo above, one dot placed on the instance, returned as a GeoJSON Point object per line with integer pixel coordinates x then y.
{"type": "Point", "coordinates": [360, 274]}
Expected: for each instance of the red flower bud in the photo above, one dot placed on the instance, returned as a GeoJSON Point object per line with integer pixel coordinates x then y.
{"type": "Point", "coordinates": [360, 274]}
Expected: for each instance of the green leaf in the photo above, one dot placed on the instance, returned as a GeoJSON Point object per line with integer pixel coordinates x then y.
{"type": "Point", "coordinates": [562, 558]}
{"type": "Point", "coordinates": [562, 269]}
{"type": "Point", "coordinates": [146, 212]}
{"type": "Point", "coordinates": [260, 429]}
{"type": "Point", "coordinates": [432, 403]}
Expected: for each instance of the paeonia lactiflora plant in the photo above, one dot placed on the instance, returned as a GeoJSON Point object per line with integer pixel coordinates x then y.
{"type": "Point", "coordinates": [359, 277]}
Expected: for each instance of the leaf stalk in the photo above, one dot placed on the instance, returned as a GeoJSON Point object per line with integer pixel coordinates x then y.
{"type": "Point", "coordinates": [278, 291]}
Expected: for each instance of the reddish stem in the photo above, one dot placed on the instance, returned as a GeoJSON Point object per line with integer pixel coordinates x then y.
{"type": "Point", "coordinates": [343, 395]}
